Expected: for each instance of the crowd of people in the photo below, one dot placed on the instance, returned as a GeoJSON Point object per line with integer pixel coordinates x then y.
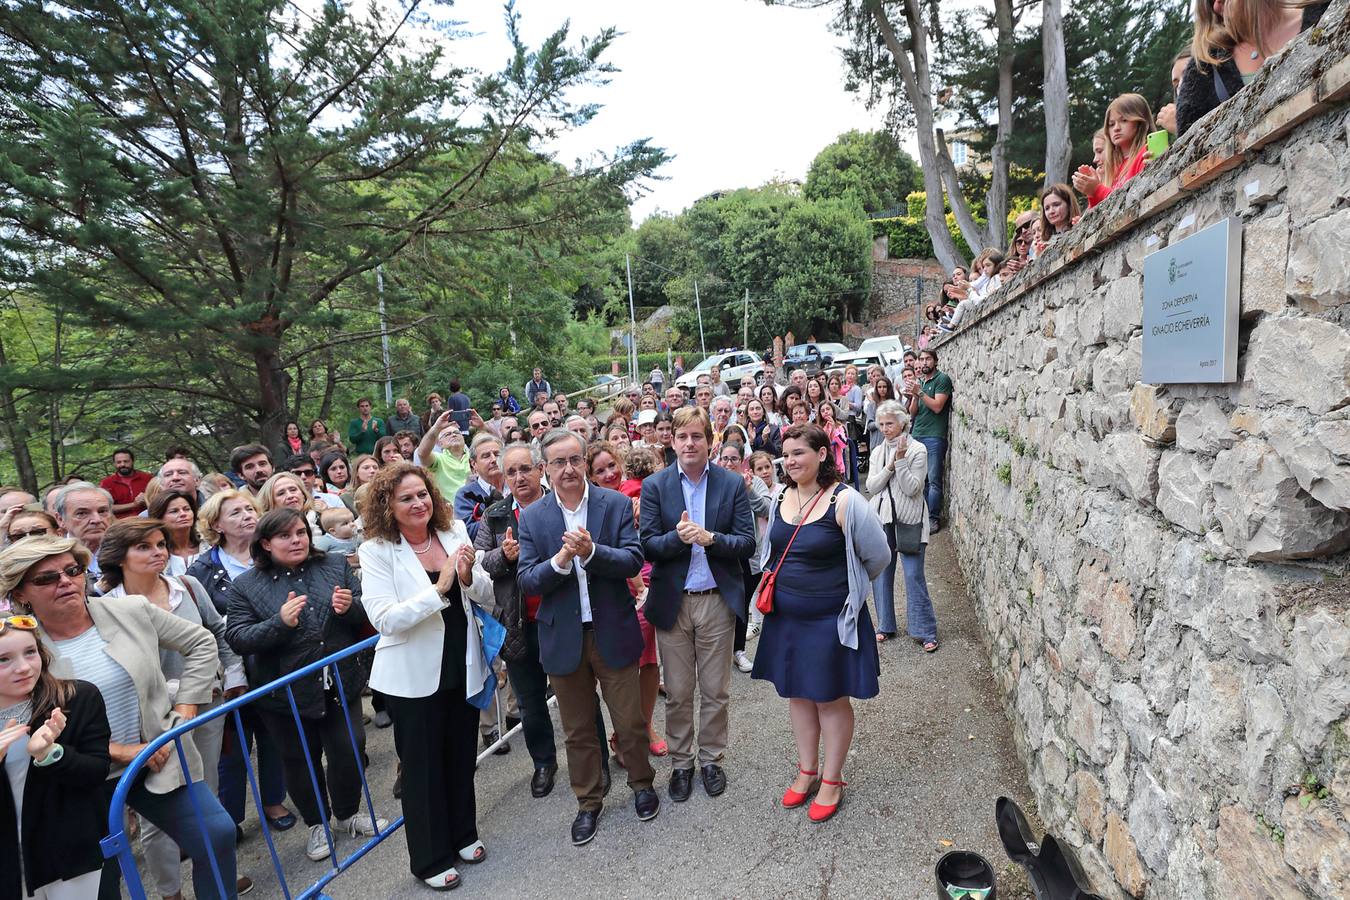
{"type": "Point", "coordinates": [1232, 40]}
{"type": "Point", "coordinates": [626, 551]}
{"type": "Point", "coordinates": [640, 551]}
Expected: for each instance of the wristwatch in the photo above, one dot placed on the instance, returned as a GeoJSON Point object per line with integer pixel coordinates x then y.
{"type": "Point", "coordinates": [54, 754]}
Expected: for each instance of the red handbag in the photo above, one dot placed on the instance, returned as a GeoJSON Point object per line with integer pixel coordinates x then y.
{"type": "Point", "coordinates": [764, 593]}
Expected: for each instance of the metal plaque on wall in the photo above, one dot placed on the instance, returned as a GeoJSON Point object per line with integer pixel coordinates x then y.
{"type": "Point", "coordinates": [1192, 293]}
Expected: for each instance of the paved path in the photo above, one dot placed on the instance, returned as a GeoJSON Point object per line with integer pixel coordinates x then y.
{"type": "Point", "coordinates": [931, 754]}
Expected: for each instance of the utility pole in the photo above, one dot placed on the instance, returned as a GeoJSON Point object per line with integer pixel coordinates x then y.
{"type": "Point", "coordinates": [745, 323]}
{"type": "Point", "coordinates": [632, 321]}
{"type": "Point", "coordinates": [702, 344]}
{"type": "Point", "coordinates": [384, 340]}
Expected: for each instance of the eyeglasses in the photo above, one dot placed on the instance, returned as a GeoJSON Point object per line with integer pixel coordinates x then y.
{"type": "Point", "coordinates": [23, 623]}
{"type": "Point", "coordinates": [304, 473]}
{"type": "Point", "coordinates": [47, 579]}
{"type": "Point", "coordinates": [575, 462]}
{"type": "Point", "coordinates": [20, 535]}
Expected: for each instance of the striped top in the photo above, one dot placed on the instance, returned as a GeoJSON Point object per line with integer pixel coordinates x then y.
{"type": "Point", "coordinates": [89, 659]}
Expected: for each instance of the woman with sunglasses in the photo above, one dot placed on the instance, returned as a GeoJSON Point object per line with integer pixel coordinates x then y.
{"type": "Point", "coordinates": [115, 643]}
{"type": "Point", "coordinates": [30, 524]}
{"type": "Point", "coordinates": [133, 559]}
{"type": "Point", "coordinates": [54, 745]}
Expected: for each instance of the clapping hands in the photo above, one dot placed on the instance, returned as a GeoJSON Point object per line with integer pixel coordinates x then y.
{"type": "Point", "coordinates": [691, 532]}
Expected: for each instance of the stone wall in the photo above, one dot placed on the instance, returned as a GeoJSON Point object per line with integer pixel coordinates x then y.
{"type": "Point", "coordinates": [1161, 571]}
{"type": "Point", "coordinates": [899, 287]}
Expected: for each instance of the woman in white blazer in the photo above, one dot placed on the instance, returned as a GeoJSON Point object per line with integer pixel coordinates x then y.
{"type": "Point", "coordinates": [895, 481]}
{"type": "Point", "coordinates": [419, 577]}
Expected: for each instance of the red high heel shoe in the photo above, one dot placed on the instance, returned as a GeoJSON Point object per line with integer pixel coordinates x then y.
{"type": "Point", "coordinates": [793, 799]}
{"type": "Point", "coordinates": [819, 812]}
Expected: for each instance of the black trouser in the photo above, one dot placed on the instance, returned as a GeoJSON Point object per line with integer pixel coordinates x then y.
{"type": "Point", "coordinates": [437, 742]}
{"type": "Point", "coordinates": [743, 619]}
{"type": "Point", "coordinates": [530, 683]}
{"type": "Point", "coordinates": [341, 787]}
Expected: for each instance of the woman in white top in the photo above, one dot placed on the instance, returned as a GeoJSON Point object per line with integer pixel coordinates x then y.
{"type": "Point", "coordinates": [895, 481]}
{"type": "Point", "coordinates": [133, 559]}
{"type": "Point", "coordinates": [178, 511]}
{"type": "Point", "coordinates": [419, 578]}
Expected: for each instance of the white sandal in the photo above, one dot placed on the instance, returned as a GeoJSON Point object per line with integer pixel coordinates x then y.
{"type": "Point", "coordinates": [474, 853]}
{"type": "Point", "coordinates": [446, 881]}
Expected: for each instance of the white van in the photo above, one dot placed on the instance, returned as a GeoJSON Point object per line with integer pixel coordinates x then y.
{"type": "Point", "coordinates": [888, 344]}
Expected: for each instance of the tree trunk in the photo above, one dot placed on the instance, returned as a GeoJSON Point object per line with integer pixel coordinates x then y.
{"type": "Point", "coordinates": [273, 386]}
{"type": "Point", "coordinates": [1055, 95]}
{"type": "Point", "coordinates": [54, 436]}
{"type": "Point", "coordinates": [17, 434]}
{"type": "Point", "coordinates": [970, 229]}
{"type": "Point", "coordinates": [996, 201]}
{"type": "Point", "coordinates": [919, 91]}
{"type": "Point", "coordinates": [329, 386]}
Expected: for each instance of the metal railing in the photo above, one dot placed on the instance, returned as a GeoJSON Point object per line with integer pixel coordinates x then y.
{"type": "Point", "coordinates": [118, 844]}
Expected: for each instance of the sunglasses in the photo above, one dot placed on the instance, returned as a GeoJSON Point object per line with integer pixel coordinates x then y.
{"type": "Point", "coordinates": [303, 473]}
{"type": "Point", "coordinates": [20, 535]}
{"type": "Point", "coordinates": [47, 579]}
{"type": "Point", "coordinates": [23, 623]}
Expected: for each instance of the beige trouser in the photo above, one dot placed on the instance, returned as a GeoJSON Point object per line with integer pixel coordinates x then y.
{"type": "Point", "coordinates": [697, 653]}
{"type": "Point", "coordinates": [487, 719]}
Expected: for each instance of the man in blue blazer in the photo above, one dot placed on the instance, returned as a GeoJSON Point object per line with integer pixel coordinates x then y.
{"type": "Point", "coordinates": [578, 548]}
{"type": "Point", "coordinates": [698, 532]}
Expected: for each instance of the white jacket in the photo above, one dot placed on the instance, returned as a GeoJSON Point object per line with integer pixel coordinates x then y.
{"type": "Point", "coordinates": [405, 609]}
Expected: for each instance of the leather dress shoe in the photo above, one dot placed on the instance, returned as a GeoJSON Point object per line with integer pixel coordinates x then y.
{"type": "Point", "coordinates": [714, 779]}
{"type": "Point", "coordinates": [584, 826]}
{"type": "Point", "coordinates": [541, 785]}
{"type": "Point", "coordinates": [681, 784]}
{"type": "Point", "coordinates": [647, 804]}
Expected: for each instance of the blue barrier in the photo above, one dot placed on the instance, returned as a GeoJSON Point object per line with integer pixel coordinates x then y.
{"type": "Point", "coordinates": [117, 844]}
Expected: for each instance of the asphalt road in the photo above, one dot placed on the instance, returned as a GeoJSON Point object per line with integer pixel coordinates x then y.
{"type": "Point", "coordinates": [930, 756]}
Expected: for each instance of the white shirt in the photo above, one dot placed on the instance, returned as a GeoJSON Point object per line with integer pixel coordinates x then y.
{"type": "Point", "coordinates": [574, 520]}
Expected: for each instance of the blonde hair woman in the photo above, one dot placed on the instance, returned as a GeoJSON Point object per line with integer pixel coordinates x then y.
{"type": "Point", "coordinates": [1129, 119]}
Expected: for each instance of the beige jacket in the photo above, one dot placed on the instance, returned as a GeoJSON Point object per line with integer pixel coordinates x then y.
{"type": "Point", "coordinates": [905, 484]}
{"type": "Point", "coordinates": [135, 630]}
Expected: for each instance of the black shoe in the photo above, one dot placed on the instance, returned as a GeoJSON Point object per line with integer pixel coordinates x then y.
{"type": "Point", "coordinates": [681, 784]}
{"type": "Point", "coordinates": [584, 826]}
{"type": "Point", "coordinates": [493, 737]}
{"type": "Point", "coordinates": [714, 779]}
{"type": "Point", "coordinates": [934, 526]}
{"type": "Point", "coordinates": [647, 804]}
{"type": "Point", "coordinates": [541, 785]}
{"type": "Point", "coordinates": [511, 722]}
{"type": "Point", "coordinates": [382, 719]}
{"type": "Point", "coordinates": [604, 782]}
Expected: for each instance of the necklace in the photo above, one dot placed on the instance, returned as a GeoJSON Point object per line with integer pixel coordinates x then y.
{"type": "Point", "coordinates": [801, 507]}
{"type": "Point", "coordinates": [20, 712]}
{"type": "Point", "coordinates": [425, 547]}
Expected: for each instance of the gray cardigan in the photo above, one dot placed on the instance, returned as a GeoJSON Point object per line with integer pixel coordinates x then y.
{"type": "Point", "coordinates": [866, 553]}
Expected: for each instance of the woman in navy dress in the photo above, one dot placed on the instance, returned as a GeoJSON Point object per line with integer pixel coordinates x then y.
{"type": "Point", "coordinates": [810, 647]}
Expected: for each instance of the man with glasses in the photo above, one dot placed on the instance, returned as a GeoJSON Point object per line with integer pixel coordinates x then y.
{"type": "Point", "coordinates": [304, 467]}
{"type": "Point", "coordinates": [577, 552]}
{"type": "Point", "coordinates": [539, 426]}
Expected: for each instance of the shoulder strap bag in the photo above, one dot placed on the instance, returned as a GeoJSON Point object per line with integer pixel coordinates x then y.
{"type": "Point", "coordinates": [905, 537]}
{"type": "Point", "coordinates": [764, 593]}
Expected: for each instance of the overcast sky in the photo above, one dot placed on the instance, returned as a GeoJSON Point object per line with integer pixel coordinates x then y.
{"type": "Point", "coordinates": [738, 92]}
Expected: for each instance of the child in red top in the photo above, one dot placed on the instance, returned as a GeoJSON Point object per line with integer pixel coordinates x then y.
{"type": "Point", "coordinates": [1128, 122]}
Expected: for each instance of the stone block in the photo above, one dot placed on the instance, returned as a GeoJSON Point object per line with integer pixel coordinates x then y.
{"type": "Point", "coordinates": [1265, 726]}
{"type": "Point", "coordinates": [1265, 260]}
{"type": "Point", "coordinates": [1128, 464]}
{"type": "Point", "coordinates": [1185, 495]}
{"type": "Point", "coordinates": [1123, 309]}
{"type": "Point", "coordinates": [1318, 276]}
{"type": "Point", "coordinates": [1258, 185]}
{"type": "Point", "coordinates": [1214, 711]}
{"type": "Point", "coordinates": [1130, 705]}
{"type": "Point", "coordinates": [1202, 427]}
{"type": "Point", "coordinates": [1123, 856]}
{"type": "Point", "coordinates": [1152, 820]}
{"type": "Point", "coordinates": [1264, 513]}
{"type": "Point", "coordinates": [1154, 412]}
{"type": "Point", "coordinates": [1090, 806]}
{"type": "Point", "coordinates": [1320, 655]}
{"type": "Point", "coordinates": [1250, 861]}
{"type": "Point", "coordinates": [1320, 382]}
{"type": "Point", "coordinates": [1317, 453]}
{"type": "Point", "coordinates": [1313, 174]}
{"type": "Point", "coordinates": [1087, 724]}
{"type": "Point", "coordinates": [1317, 847]}
{"type": "Point", "coordinates": [1118, 620]}
{"type": "Point", "coordinates": [1245, 623]}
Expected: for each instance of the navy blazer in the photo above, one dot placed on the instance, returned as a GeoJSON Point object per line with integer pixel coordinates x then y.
{"type": "Point", "coordinates": [726, 514]}
{"type": "Point", "coordinates": [617, 557]}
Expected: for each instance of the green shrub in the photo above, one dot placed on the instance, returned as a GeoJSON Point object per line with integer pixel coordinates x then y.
{"type": "Point", "coordinates": [1003, 472]}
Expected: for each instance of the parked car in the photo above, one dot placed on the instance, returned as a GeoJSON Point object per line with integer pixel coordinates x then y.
{"type": "Point", "coordinates": [812, 357]}
{"type": "Point", "coordinates": [735, 365]}
{"type": "Point", "coordinates": [863, 359]}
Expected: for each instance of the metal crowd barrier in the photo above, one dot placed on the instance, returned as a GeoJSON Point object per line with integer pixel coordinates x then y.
{"type": "Point", "coordinates": [118, 844]}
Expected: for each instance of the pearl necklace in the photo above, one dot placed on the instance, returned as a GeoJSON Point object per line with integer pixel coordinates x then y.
{"type": "Point", "coordinates": [425, 547]}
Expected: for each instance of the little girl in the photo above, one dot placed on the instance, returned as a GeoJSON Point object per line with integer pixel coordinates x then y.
{"type": "Point", "coordinates": [1128, 122]}
{"type": "Point", "coordinates": [54, 747]}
